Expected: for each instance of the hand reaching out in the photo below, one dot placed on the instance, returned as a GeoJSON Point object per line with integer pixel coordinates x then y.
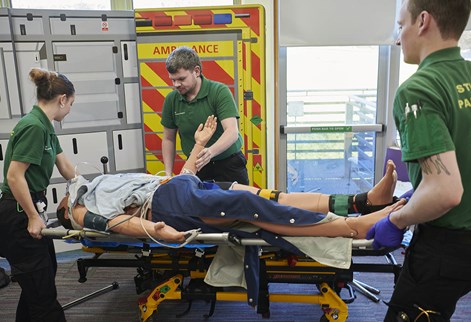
{"type": "Point", "coordinates": [206, 131]}
{"type": "Point", "coordinates": [202, 135]}
{"type": "Point", "coordinates": [386, 234]}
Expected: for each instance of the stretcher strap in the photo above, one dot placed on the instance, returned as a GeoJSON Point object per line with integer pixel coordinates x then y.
{"type": "Point", "coordinates": [269, 194]}
{"type": "Point", "coordinates": [339, 204]}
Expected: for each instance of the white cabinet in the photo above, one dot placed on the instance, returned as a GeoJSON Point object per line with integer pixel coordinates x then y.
{"type": "Point", "coordinates": [55, 193]}
{"type": "Point", "coordinates": [85, 151]}
{"type": "Point", "coordinates": [128, 149]}
{"type": "Point", "coordinates": [4, 24]}
{"type": "Point", "coordinates": [4, 93]}
{"type": "Point", "coordinates": [97, 52]}
{"type": "Point", "coordinates": [81, 26]}
{"type": "Point", "coordinates": [28, 25]}
{"type": "Point", "coordinates": [91, 67]}
{"type": "Point", "coordinates": [133, 103]}
{"type": "Point", "coordinates": [28, 55]}
{"type": "Point", "coordinates": [129, 58]}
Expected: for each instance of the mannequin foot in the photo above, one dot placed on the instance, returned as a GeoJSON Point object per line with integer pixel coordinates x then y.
{"type": "Point", "coordinates": [383, 192]}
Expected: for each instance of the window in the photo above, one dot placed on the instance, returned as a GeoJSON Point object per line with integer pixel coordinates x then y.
{"type": "Point", "coordinates": [329, 88]}
{"type": "Point", "coordinates": [180, 3]}
{"type": "Point", "coordinates": [61, 4]}
{"type": "Point", "coordinates": [465, 44]}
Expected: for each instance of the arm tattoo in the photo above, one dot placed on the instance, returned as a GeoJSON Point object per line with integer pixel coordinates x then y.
{"type": "Point", "coordinates": [434, 162]}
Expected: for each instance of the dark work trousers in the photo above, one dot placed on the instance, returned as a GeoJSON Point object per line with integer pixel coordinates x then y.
{"type": "Point", "coordinates": [232, 168]}
{"type": "Point", "coordinates": [435, 275]}
{"type": "Point", "coordinates": [33, 263]}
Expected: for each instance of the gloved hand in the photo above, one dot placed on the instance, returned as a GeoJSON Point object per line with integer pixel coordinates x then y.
{"type": "Point", "coordinates": [406, 195]}
{"type": "Point", "coordinates": [385, 234]}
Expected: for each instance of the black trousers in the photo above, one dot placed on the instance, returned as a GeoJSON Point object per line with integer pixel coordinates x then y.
{"type": "Point", "coordinates": [436, 274]}
{"type": "Point", "coordinates": [232, 168]}
{"type": "Point", "coordinates": [33, 263]}
{"type": "Point", "coordinates": [38, 300]}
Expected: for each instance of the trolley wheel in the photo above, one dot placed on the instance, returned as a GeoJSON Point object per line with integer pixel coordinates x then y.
{"type": "Point", "coordinates": [324, 318]}
{"type": "Point", "coordinates": [152, 318]}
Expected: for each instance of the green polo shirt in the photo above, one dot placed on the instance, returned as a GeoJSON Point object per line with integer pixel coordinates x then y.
{"type": "Point", "coordinates": [213, 99]}
{"type": "Point", "coordinates": [33, 141]}
{"type": "Point", "coordinates": [432, 111]}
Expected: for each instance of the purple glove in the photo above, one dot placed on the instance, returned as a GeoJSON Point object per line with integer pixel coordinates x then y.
{"type": "Point", "coordinates": [385, 234]}
{"type": "Point", "coordinates": [407, 194]}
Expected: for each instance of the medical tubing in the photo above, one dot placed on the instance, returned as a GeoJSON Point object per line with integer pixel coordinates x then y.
{"type": "Point", "coordinates": [86, 163]}
{"type": "Point", "coordinates": [145, 207]}
{"type": "Point", "coordinates": [143, 211]}
{"type": "Point", "coordinates": [122, 221]}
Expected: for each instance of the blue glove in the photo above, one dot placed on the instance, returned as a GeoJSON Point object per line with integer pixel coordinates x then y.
{"type": "Point", "coordinates": [406, 195]}
{"type": "Point", "coordinates": [385, 234]}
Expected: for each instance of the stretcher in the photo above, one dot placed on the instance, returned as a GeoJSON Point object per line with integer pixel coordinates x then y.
{"type": "Point", "coordinates": [177, 273]}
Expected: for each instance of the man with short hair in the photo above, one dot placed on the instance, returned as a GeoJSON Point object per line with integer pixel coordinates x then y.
{"type": "Point", "coordinates": [193, 100]}
{"type": "Point", "coordinates": [433, 116]}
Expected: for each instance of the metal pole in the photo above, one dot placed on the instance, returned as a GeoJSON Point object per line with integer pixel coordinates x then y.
{"type": "Point", "coordinates": [106, 289]}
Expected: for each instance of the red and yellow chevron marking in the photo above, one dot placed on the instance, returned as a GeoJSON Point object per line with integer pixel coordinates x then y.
{"type": "Point", "coordinates": [249, 65]}
{"type": "Point", "coordinates": [152, 20]}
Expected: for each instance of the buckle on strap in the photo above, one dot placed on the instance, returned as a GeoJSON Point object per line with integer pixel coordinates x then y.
{"type": "Point", "coordinates": [166, 180]}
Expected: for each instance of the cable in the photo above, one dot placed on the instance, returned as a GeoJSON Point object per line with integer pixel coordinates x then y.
{"type": "Point", "coordinates": [89, 164]}
{"type": "Point", "coordinates": [189, 235]}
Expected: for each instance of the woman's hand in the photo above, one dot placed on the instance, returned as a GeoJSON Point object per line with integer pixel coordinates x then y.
{"type": "Point", "coordinates": [35, 226]}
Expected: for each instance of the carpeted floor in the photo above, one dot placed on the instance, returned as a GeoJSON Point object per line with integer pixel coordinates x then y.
{"type": "Point", "coordinates": [120, 305]}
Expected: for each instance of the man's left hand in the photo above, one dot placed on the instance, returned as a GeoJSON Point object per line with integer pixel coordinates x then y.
{"type": "Point", "coordinates": [203, 158]}
{"type": "Point", "coordinates": [385, 234]}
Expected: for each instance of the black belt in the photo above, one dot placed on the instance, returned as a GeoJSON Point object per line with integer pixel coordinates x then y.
{"type": "Point", "coordinates": [7, 196]}
{"type": "Point", "coordinates": [40, 195]}
{"type": "Point", "coordinates": [445, 235]}
{"type": "Point", "coordinates": [229, 157]}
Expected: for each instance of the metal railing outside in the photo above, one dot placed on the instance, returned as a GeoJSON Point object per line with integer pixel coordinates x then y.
{"type": "Point", "coordinates": [354, 152]}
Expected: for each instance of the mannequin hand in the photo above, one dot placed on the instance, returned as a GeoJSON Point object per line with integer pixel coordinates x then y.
{"type": "Point", "coordinates": [206, 131]}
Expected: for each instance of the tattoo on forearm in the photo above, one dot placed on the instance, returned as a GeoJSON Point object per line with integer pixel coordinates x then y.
{"type": "Point", "coordinates": [434, 162]}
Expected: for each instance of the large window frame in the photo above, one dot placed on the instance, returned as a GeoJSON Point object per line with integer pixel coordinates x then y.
{"type": "Point", "coordinates": [387, 81]}
{"type": "Point", "coordinates": [60, 4]}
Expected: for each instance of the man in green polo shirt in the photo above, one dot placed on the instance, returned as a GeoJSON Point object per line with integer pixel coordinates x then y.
{"type": "Point", "coordinates": [193, 100]}
{"type": "Point", "coordinates": [433, 119]}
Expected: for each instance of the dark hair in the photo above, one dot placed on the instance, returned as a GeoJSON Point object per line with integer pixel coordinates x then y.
{"type": "Point", "coordinates": [182, 57]}
{"type": "Point", "coordinates": [451, 15]}
{"type": "Point", "coordinates": [50, 84]}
